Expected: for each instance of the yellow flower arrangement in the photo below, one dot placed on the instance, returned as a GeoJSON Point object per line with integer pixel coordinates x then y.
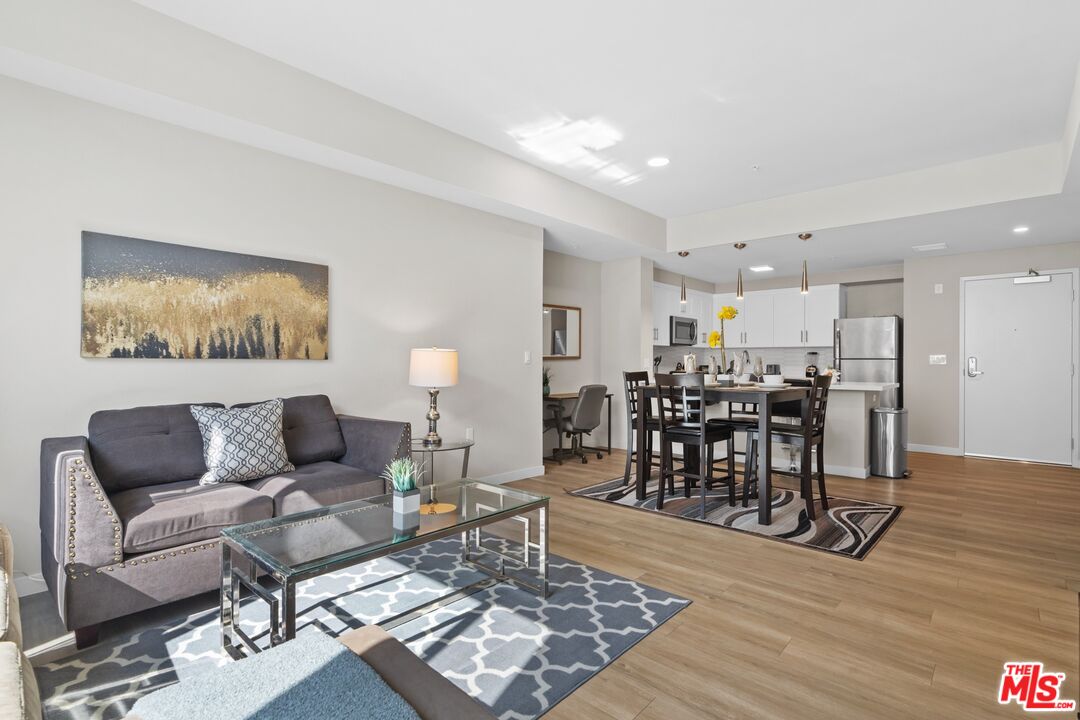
{"type": "Point", "coordinates": [716, 337]}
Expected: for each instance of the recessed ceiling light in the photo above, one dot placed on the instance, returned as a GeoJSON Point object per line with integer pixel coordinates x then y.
{"type": "Point", "coordinates": [761, 268]}
{"type": "Point", "coordinates": [1021, 229]}
{"type": "Point", "coordinates": [930, 247]}
{"type": "Point", "coordinates": [658, 162]}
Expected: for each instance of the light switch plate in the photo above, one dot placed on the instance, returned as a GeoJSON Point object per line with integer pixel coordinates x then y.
{"type": "Point", "coordinates": [528, 357]}
{"type": "Point", "coordinates": [937, 360]}
{"type": "Point", "coordinates": [938, 290]}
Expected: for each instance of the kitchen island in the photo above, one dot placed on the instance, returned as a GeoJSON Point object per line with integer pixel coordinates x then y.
{"type": "Point", "coordinates": [847, 426]}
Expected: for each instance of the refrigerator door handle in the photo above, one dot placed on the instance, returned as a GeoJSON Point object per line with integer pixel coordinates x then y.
{"type": "Point", "coordinates": [836, 345]}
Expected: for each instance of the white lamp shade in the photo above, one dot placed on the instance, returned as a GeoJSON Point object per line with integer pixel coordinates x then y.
{"type": "Point", "coordinates": [433, 367]}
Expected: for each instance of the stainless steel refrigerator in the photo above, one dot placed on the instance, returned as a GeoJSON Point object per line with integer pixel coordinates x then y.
{"type": "Point", "coordinates": [870, 350]}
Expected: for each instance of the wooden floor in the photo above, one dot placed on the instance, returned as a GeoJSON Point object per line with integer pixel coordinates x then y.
{"type": "Point", "coordinates": [982, 567]}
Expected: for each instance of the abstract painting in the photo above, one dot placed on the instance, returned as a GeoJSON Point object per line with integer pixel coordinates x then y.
{"type": "Point", "coordinates": [146, 299]}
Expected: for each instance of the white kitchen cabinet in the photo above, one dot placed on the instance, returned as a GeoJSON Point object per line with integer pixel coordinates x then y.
{"type": "Point", "coordinates": [824, 303]}
{"type": "Point", "coordinates": [758, 319]}
{"type": "Point", "coordinates": [665, 304]}
{"type": "Point", "coordinates": [734, 330]}
{"type": "Point", "coordinates": [789, 318]}
{"type": "Point", "coordinates": [701, 304]}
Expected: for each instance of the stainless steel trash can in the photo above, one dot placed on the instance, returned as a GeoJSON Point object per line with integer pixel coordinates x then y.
{"type": "Point", "coordinates": [888, 442]}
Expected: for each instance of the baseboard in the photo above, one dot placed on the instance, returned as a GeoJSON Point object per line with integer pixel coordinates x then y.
{"type": "Point", "coordinates": [856, 472]}
{"type": "Point", "coordinates": [29, 584]}
{"type": "Point", "coordinates": [512, 475]}
{"type": "Point", "coordinates": [934, 449]}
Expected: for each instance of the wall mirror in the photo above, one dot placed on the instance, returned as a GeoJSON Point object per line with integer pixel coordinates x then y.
{"type": "Point", "coordinates": [562, 332]}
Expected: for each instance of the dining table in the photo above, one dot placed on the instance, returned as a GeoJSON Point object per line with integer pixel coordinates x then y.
{"type": "Point", "coordinates": [766, 398]}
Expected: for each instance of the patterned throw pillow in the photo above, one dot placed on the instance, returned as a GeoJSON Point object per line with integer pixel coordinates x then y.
{"type": "Point", "coordinates": [242, 443]}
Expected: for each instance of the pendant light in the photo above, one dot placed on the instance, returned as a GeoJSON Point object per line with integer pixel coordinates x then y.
{"type": "Point", "coordinates": [805, 287]}
{"type": "Point", "coordinates": [738, 282]}
{"type": "Point", "coordinates": [682, 285]}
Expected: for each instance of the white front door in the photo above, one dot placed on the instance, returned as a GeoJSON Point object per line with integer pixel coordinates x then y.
{"type": "Point", "coordinates": [1017, 368]}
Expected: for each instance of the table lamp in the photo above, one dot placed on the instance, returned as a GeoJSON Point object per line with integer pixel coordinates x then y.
{"type": "Point", "coordinates": [433, 368]}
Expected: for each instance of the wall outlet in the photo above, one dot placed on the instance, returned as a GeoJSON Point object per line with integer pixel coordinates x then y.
{"type": "Point", "coordinates": [937, 360]}
{"type": "Point", "coordinates": [528, 357]}
{"type": "Point", "coordinates": [938, 290]}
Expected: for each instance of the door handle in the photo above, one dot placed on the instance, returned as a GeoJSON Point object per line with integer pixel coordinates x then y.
{"type": "Point", "coordinates": [973, 367]}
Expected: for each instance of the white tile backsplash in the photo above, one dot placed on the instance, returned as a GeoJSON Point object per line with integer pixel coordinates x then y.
{"type": "Point", "coordinates": [792, 360]}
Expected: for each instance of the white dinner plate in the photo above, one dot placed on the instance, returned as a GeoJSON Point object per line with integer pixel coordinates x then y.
{"type": "Point", "coordinates": [765, 386]}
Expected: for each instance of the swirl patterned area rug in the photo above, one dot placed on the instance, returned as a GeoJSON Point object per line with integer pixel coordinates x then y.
{"type": "Point", "coordinates": [849, 527]}
{"type": "Point", "coordinates": [509, 649]}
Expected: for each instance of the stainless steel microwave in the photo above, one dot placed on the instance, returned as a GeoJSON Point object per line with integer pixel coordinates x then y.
{"type": "Point", "coordinates": [683, 330]}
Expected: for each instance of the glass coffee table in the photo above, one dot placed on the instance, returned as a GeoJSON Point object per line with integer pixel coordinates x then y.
{"type": "Point", "coordinates": [269, 557]}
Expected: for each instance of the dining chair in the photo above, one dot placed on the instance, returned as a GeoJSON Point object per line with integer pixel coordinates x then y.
{"type": "Point", "coordinates": [743, 415]}
{"type": "Point", "coordinates": [632, 381]}
{"type": "Point", "coordinates": [681, 409]}
{"type": "Point", "coordinates": [582, 420]}
{"type": "Point", "coordinates": [807, 436]}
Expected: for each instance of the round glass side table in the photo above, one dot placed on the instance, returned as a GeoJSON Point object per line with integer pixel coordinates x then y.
{"type": "Point", "coordinates": [429, 451]}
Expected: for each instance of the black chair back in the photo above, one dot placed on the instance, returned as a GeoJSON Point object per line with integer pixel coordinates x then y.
{"type": "Point", "coordinates": [681, 400]}
{"type": "Point", "coordinates": [816, 404]}
{"type": "Point", "coordinates": [632, 380]}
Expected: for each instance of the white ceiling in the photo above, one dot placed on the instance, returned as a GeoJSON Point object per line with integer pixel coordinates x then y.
{"type": "Point", "coordinates": [814, 94]}
{"type": "Point", "coordinates": [1051, 219]}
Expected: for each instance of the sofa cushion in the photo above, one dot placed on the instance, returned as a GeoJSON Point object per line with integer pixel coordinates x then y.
{"type": "Point", "coordinates": [165, 516]}
{"type": "Point", "coordinates": [19, 698]}
{"type": "Point", "coordinates": [317, 485]}
{"type": "Point", "coordinates": [311, 431]}
{"type": "Point", "coordinates": [242, 444]}
{"type": "Point", "coordinates": [145, 446]}
{"type": "Point", "coordinates": [10, 628]}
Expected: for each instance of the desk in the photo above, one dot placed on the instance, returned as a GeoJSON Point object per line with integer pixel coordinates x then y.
{"type": "Point", "coordinates": [562, 397]}
{"type": "Point", "coordinates": [765, 399]}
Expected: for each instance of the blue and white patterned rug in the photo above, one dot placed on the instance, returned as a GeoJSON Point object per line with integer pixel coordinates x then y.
{"type": "Point", "coordinates": [514, 652]}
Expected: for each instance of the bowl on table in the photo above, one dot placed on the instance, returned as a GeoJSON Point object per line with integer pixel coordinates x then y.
{"type": "Point", "coordinates": [772, 380]}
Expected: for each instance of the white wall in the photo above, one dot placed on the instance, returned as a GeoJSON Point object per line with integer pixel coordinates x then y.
{"type": "Point", "coordinates": [875, 299]}
{"type": "Point", "coordinates": [932, 327]}
{"type": "Point", "coordinates": [626, 332]}
{"type": "Point", "coordinates": [574, 281]}
{"type": "Point", "coordinates": [405, 271]}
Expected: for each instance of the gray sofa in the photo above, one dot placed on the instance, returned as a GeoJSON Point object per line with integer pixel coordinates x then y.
{"type": "Point", "coordinates": [125, 525]}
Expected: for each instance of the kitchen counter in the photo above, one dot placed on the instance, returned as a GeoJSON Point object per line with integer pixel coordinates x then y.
{"type": "Point", "coordinates": [863, 386]}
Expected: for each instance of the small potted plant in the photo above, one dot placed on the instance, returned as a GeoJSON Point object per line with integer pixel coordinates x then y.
{"type": "Point", "coordinates": [401, 474]}
{"type": "Point", "coordinates": [547, 381]}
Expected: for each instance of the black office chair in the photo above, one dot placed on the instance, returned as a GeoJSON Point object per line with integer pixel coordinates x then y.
{"type": "Point", "coordinates": [584, 417]}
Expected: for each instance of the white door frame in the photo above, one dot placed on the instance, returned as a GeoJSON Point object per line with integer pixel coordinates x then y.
{"type": "Point", "coordinates": [962, 360]}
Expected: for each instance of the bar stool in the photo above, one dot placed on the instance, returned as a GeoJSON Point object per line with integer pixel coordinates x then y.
{"type": "Point", "coordinates": [682, 420]}
{"type": "Point", "coordinates": [632, 380]}
{"type": "Point", "coordinates": [806, 436]}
